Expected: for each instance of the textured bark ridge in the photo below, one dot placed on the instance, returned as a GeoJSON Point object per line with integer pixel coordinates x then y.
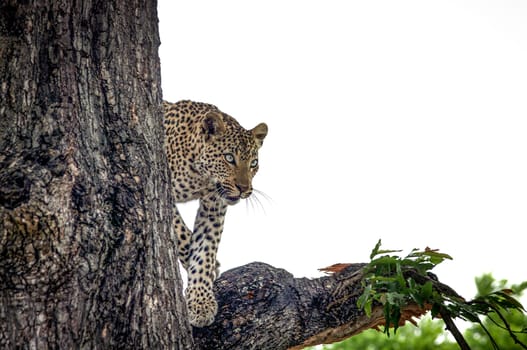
{"type": "Point", "coordinates": [262, 307]}
{"type": "Point", "coordinates": [87, 252]}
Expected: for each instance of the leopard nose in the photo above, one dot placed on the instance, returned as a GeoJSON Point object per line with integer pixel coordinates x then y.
{"type": "Point", "coordinates": [243, 188]}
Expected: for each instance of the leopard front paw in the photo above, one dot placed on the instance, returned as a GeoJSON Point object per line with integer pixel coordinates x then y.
{"type": "Point", "coordinates": [201, 305]}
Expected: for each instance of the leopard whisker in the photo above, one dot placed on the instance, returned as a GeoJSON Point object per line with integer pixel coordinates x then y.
{"type": "Point", "coordinates": [256, 202]}
{"type": "Point", "coordinates": [264, 195]}
{"type": "Point", "coordinates": [220, 191]}
{"type": "Point", "coordinates": [268, 198]}
{"type": "Point", "coordinates": [249, 201]}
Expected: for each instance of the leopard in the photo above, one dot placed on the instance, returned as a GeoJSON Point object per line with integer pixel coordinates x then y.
{"type": "Point", "coordinates": [212, 159]}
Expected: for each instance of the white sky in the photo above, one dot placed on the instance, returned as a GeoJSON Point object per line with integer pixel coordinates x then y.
{"type": "Point", "coordinates": [399, 120]}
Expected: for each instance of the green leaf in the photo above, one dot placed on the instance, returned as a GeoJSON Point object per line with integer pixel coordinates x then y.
{"type": "Point", "coordinates": [427, 291]}
{"type": "Point", "coordinates": [375, 249]}
{"type": "Point", "coordinates": [367, 307]}
{"type": "Point", "coordinates": [400, 277]}
{"type": "Point", "coordinates": [506, 301]}
{"type": "Point", "coordinates": [437, 257]}
{"type": "Point", "coordinates": [496, 300]}
{"type": "Point", "coordinates": [365, 300]}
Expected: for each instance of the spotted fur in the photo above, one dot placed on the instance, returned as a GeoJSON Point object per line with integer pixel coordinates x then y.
{"type": "Point", "coordinates": [213, 159]}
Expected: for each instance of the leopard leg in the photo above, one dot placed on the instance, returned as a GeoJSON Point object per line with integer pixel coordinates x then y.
{"type": "Point", "coordinates": [184, 236]}
{"type": "Point", "coordinates": [208, 227]}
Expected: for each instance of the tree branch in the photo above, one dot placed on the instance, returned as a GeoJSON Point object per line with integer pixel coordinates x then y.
{"type": "Point", "coordinates": [451, 326]}
{"type": "Point", "coordinates": [262, 307]}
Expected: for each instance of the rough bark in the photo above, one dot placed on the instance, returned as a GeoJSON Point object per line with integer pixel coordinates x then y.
{"type": "Point", "coordinates": [87, 252]}
{"type": "Point", "coordinates": [262, 307]}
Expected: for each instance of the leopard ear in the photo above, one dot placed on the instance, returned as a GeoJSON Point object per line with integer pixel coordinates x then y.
{"type": "Point", "coordinates": [213, 125]}
{"type": "Point", "coordinates": [259, 133]}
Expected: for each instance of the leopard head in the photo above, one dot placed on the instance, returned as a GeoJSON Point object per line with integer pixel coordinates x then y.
{"type": "Point", "coordinates": [230, 155]}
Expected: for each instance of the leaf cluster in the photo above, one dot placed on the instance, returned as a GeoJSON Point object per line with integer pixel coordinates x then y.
{"type": "Point", "coordinates": [387, 283]}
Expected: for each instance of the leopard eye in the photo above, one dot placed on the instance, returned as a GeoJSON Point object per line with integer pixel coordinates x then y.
{"type": "Point", "coordinates": [229, 157]}
{"type": "Point", "coordinates": [254, 163]}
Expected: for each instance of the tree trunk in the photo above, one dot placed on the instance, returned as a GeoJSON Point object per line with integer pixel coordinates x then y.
{"type": "Point", "coordinates": [87, 251]}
